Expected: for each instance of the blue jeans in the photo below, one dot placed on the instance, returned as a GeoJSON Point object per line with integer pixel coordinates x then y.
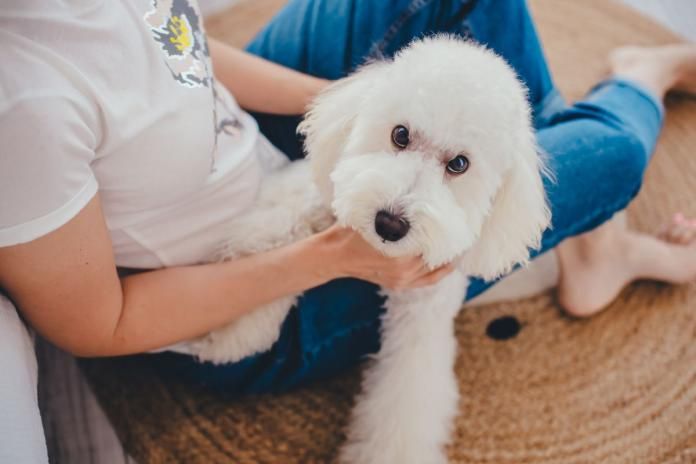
{"type": "Point", "coordinates": [598, 149]}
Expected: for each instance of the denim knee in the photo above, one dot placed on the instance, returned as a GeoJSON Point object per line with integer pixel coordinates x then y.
{"type": "Point", "coordinates": [628, 162]}
{"type": "Point", "coordinates": [590, 135]}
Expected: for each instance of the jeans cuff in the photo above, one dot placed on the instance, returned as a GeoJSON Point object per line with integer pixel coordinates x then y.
{"type": "Point", "coordinates": [640, 89]}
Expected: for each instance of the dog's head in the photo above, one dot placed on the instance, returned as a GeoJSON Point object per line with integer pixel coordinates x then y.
{"type": "Point", "coordinates": [433, 154]}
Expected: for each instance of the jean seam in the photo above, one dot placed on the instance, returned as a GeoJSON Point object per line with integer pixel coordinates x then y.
{"type": "Point", "coordinates": [377, 50]}
{"type": "Point", "coordinates": [461, 18]}
{"type": "Point", "coordinates": [312, 352]}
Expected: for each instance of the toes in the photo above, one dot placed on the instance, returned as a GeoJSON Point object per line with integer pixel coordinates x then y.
{"type": "Point", "coordinates": [670, 230]}
{"type": "Point", "coordinates": [682, 230]}
{"type": "Point", "coordinates": [687, 229]}
{"type": "Point", "coordinates": [665, 232]}
{"type": "Point", "coordinates": [691, 234]}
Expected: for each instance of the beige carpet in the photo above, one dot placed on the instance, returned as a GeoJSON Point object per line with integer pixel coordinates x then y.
{"type": "Point", "coordinates": [619, 388]}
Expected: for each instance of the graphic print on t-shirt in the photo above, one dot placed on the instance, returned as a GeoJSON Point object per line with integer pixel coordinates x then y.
{"type": "Point", "coordinates": [176, 27]}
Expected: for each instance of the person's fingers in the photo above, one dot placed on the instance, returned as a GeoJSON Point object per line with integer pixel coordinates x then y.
{"type": "Point", "coordinates": [406, 268]}
{"type": "Point", "coordinates": [664, 232]}
{"type": "Point", "coordinates": [691, 232]}
{"type": "Point", "coordinates": [408, 262]}
{"type": "Point", "coordinates": [673, 231]}
{"type": "Point", "coordinates": [422, 269]}
{"type": "Point", "coordinates": [407, 272]}
{"type": "Point", "coordinates": [406, 277]}
{"type": "Point", "coordinates": [433, 276]}
{"type": "Point", "coordinates": [684, 230]}
{"type": "Point", "coordinates": [681, 234]}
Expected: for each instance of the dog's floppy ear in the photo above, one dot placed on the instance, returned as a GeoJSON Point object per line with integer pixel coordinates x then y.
{"type": "Point", "coordinates": [519, 215]}
{"type": "Point", "coordinates": [329, 122]}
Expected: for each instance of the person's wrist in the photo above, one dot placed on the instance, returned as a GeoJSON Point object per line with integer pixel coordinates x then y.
{"type": "Point", "coordinates": [328, 253]}
{"type": "Point", "coordinates": [316, 85]}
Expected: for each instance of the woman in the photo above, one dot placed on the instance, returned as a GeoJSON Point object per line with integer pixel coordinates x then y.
{"type": "Point", "coordinates": [121, 150]}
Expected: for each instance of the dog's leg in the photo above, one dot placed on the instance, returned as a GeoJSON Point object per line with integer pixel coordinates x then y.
{"type": "Point", "coordinates": [287, 209]}
{"type": "Point", "coordinates": [410, 394]}
{"type": "Point", "coordinates": [253, 333]}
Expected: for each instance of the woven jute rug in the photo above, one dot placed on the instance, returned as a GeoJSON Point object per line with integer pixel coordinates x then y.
{"type": "Point", "coordinates": [618, 388]}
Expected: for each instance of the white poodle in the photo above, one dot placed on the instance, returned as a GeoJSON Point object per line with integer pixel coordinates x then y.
{"type": "Point", "coordinates": [431, 153]}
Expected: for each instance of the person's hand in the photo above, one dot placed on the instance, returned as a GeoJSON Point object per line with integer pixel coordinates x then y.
{"type": "Point", "coordinates": [352, 256]}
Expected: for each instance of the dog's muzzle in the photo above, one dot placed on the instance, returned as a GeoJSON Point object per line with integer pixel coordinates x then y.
{"type": "Point", "coordinates": [391, 227]}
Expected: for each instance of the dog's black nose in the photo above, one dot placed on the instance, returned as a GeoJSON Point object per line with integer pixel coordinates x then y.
{"type": "Point", "coordinates": [390, 226]}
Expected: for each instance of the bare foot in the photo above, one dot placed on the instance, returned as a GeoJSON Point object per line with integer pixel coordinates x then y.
{"type": "Point", "coordinates": [663, 68]}
{"type": "Point", "coordinates": [596, 266]}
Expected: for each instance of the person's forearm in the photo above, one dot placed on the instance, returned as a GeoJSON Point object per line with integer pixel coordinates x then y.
{"type": "Point", "coordinates": [65, 284]}
{"type": "Point", "coordinates": [260, 85]}
{"type": "Point", "coordinates": [170, 305]}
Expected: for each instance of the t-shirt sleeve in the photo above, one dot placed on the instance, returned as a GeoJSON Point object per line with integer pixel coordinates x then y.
{"type": "Point", "coordinates": [46, 148]}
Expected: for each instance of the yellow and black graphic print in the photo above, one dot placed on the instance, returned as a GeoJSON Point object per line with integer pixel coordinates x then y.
{"type": "Point", "coordinates": [176, 26]}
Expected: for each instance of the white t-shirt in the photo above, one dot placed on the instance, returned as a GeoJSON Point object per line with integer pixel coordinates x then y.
{"type": "Point", "coordinates": [118, 97]}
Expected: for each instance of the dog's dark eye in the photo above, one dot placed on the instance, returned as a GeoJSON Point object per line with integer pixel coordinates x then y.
{"type": "Point", "coordinates": [458, 165]}
{"type": "Point", "coordinates": [400, 136]}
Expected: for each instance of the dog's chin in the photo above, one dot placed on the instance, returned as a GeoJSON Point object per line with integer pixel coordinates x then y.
{"type": "Point", "coordinates": [433, 256]}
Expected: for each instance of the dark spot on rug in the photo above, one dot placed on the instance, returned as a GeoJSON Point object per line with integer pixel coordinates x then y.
{"type": "Point", "coordinates": [503, 328]}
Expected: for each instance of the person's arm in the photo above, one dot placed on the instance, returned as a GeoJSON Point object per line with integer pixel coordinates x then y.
{"type": "Point", "coordinates": [65, 283]}
{"type": "Point", "coordinates": [260, 85]}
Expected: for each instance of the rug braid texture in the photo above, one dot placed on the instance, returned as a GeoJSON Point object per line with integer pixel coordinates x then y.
{"type": "Point", "coordinates": [617, 388]}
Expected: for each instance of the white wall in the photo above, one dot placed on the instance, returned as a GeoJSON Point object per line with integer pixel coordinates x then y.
{"type": "Point", "coordinates": [678, 15]}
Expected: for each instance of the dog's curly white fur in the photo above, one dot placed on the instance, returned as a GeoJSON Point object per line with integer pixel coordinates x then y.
{"type": "Point", "coordinates": [455, 98]}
